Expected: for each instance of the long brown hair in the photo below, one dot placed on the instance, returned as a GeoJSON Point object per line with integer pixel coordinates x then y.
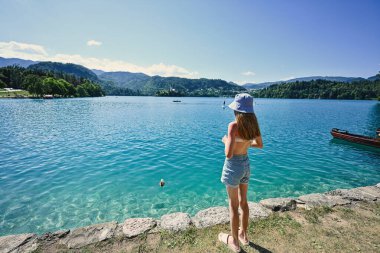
{"type": "Point", "coordinates": [248, 127]}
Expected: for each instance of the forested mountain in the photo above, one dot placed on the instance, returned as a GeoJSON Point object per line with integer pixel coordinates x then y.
{"type": "Point", "coordinates": [127, 83]}
{"type": "Point", "coordinates": [121, 79]}
{"type": "Point", "coordinates": [301, 79]}
{"type": "Point", "coordinates": [192, 87]}
{"type": "Point", "coordinates": [121, 83]}
{"type": "Point", "coordinates": [41, 82]}
{"type": "Point", "coordinates": [66, 68]}
{"type": "Point", "coordinates": [15, 61]}
{"type": "Point", "coordinates": [97, 71]}
{"type": "Point", "coordinates": [328, 78]}
{"type": "Point", "coordinates": [255, 86]}
{"type": "Point", "coordinates": [374, 78]}
{"type": "Point", "coordinates": [324, 89]}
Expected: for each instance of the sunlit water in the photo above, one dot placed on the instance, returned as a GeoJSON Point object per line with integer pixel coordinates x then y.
{"type": "Point", "coordinates": [66, 163]}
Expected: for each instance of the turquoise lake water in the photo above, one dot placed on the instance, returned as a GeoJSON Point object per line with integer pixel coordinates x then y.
{"type": "Point", "coordinates": [66, 163]}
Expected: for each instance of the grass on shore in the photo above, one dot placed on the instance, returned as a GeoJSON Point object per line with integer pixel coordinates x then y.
{"type": "Point", "coordinates": [322, 229]}
{"type": "Point", "coordinates": [13, 94]}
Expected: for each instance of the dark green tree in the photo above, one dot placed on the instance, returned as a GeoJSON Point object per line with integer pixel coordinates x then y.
{"type": "Point", "coordinates": [32, 83]}
{"type": "Point", "coordinates": [82, 91]}
{"type": "Point", "coordinates": [69, 89]}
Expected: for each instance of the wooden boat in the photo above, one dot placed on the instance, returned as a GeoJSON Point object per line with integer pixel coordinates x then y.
{"type": "Point", "coordinates": [360, 139]}
{"type": "Point", "coordinates": [176, 101]}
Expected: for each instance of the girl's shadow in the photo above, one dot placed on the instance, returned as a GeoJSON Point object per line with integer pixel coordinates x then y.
{"type": "Point", "coordinates": [257, 247]}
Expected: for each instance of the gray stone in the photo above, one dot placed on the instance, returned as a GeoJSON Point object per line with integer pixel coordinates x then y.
{"type": "Point", "coordinates": [373, 191]}
{"type": "Point", "coordinates": [257, 211]}
{"type": "Point", "coordinates": [378, 185]}
{"type": "Point", "coordinates": [316, 200]}
{"type": "Point", "coordinates": [175, 221]}
{"type": "Point", "coordinates": [84, 236]}
{"type": "Point", "coordinates": [136, 226]}
{"type": "Point", "coordinates": [211, 216]}
{"type": "Point", "coordinates": [61, 233]}
{"type": "Point", "coordinates": [51, 238]}
{"type": "Point", "coordinates": [119, 231]}
{"type": "Point", "coordinates": [279, 204]}
{"type": "Point", "coordinates": [367, 193]}
{"type": "Point", "coordinates": [156, 229]}
{"type": "Point", "coordinates": [346, 194]}
{"type": "Point", "coordinates": [18, 243]}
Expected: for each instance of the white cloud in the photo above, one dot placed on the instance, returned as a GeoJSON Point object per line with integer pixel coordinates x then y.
{"type": "Point", "coordinates": [248, 73]}
{"type": "Point", "coordinates": [94, 43]}
{"type": "Point", "coordinates": [38, 53]}
{"type": "Point", "coordinates": [19, 50]}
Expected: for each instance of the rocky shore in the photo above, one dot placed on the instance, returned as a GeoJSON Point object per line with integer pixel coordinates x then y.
{"type": "Point", "coordinates": [84, 236]}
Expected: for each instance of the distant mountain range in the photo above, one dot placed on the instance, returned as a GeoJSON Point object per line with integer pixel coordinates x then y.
{"type": "Point", "coordinates": [306, 79]}
{"type": "Point", "coordinates": [123, 79]}
{"type": "Point", "coordinates": [150, 85]}
{"type": "Point", "coordinates": [15, 61]}
{"type": "Point", "coordinates": [127, 83]}
{"type": "Point", "coordinates": [67, 68]}
{"type": "Point", "coordinates": [97, 71]}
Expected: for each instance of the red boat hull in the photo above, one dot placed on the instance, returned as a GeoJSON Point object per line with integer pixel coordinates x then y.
{"type": "Point", "coordinates": [360, 139]}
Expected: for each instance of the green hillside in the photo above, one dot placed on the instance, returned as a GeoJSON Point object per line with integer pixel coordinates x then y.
{"type": "Point", "coordinates": [66, 68]}
{"type": "Point", "coordinates": [323, 89]}
{"type": "Point", "coordinates": [39, 83]}
{"type": "Point", "coordinates": [133, 81]}
{"type": "Point", "coordinates": [126, 83]}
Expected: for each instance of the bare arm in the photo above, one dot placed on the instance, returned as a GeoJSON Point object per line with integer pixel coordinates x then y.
{"type": "Point", "coordinates": [257, 142]}
{"type": "Point", "coordinates": [229, 140]}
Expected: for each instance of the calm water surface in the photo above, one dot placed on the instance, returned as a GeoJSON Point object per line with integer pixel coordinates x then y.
{"type": "Point", "coordinates": [73, 162]}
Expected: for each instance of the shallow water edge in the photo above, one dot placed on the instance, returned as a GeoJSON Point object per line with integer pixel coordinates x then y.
{"type": "Point", "coordinates": [84, 236]}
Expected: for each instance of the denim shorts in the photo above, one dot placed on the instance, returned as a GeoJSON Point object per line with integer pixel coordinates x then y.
{"type": "Point", "coordinates": [236, 170]}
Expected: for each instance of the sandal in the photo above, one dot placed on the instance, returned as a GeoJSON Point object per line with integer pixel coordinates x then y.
{"type": "Point", "coordinates": [223, 237]}
{"type": "Point", "coordinates": [244, 242]}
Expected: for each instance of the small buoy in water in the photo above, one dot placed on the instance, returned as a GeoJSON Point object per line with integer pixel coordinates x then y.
{"type": "Point", "coordinates": [162, 183]}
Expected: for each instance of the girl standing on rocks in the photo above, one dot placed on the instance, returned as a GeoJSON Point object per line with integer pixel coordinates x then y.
{"type": "Point", "coordinates": [243, 133]}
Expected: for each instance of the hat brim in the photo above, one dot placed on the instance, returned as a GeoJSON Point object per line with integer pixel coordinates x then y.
{"type": "Point", "coordinates": [234, 107]}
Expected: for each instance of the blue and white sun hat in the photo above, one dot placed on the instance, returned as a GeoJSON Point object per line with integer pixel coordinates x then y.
{"type": "Point", "coordinates": [243, 102]}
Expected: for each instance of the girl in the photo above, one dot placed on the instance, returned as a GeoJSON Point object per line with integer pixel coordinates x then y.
{"type": "Point", "coordinates": [243, 133]}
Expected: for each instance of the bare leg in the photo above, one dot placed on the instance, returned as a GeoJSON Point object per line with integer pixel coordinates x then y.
{"type": "Point", "coordinates": [243, 188]}
{"type": "Point", "coordinates": [233, 198]}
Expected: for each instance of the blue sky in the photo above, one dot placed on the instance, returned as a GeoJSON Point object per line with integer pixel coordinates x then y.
{"type": "Point", "coordinates": [240, 41]}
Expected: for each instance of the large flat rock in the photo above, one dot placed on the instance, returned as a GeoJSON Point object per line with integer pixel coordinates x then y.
{"type": "Point", "coordinates": [175, 221]}
{"type": "Point", "coordinates": [84, 236]}
{"type": "Point", "coordinates": [372, 191]}
{"type": "Point", "coordinates": [119, 231]}
{"type": "Point", "coordinates": [136, 226]}
{"type": "Point", "coordinates": [52, 238]}
{"type": "Point", "coordinates": [258, 211]}
{"type": "Point", "coordinates": [378, 185]}
{"type": "Point", "coordinates": [367, 193]}
{"type": "Point", "coordinates": [211, 216]}
{"type": "Point", "coordinates": [316, 200]}
{"type": "Point", "coordinates": [279, 204]}
{"type": "Point", "coordinates": [18, 243]}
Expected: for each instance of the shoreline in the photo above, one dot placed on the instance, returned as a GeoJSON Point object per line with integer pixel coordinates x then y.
{"type": "Point", "coordinates": [31, 97]}
{"type": "Point", "coordinates": [82, 237]}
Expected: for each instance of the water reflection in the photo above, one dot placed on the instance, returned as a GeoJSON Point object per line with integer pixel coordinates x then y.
{"type": "Point", "coordinates": [373, 120]}
{"type": "Point", "coordinates": [355, 147]}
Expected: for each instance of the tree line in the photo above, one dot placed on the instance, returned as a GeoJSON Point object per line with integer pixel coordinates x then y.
{"type": "Point", "coordinates": [176, 86]}
{"type": "Point", "coordinates": [40, 83]}
{"type": "Point", "coordinates": [136, 84]}
{"type": "Point", "coordinates": [322, 89]}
